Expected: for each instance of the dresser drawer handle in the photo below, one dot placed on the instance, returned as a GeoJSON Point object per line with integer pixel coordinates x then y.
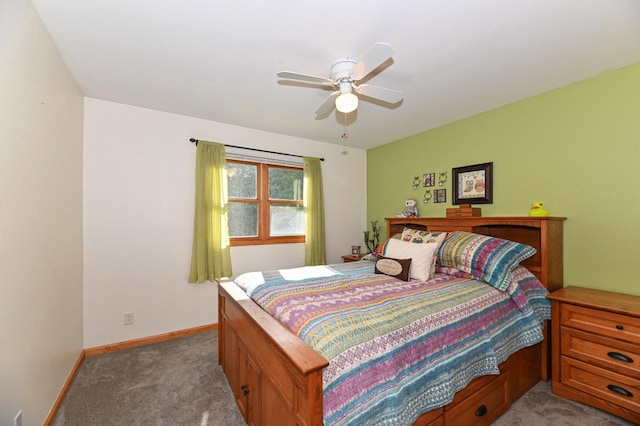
{"type": "Point", "coordinates": [620, 390]}
{"type": "Point", "coordinates": [619, 327]}
{"type": "Point", "coordinates": [619, 356]}
{"type": "Point", "coordinates": [481, 411]}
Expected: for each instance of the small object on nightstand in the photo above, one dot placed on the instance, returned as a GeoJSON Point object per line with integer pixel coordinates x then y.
{"type": "Point", "coordinates": [355, 250]}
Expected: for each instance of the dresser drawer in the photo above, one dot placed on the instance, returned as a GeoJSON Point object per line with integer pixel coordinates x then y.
{"type": "Point", "coordinates": [601, 322]}
{"type": "Point", "coordinates": [482, 407]}
{"type": "Point", "coordinates": [603, 384]}
{"type": "Point", "coordinates": [616, 355]}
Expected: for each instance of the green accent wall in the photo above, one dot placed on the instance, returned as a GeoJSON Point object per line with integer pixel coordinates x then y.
{"type": "Point", "coordinates": [575, 148]}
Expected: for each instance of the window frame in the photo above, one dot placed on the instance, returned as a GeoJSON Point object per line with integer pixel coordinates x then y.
{"type": "Point", "coordinates": [264, 207]}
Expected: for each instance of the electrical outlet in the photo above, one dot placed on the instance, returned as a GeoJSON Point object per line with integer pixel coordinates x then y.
{"type": "Point", "coordinates": [17, 420]}
{"type": "Point", "coordinates": [128, 318]}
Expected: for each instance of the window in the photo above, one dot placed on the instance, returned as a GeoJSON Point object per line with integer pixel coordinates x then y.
{"type": "Point", "coordinates": [265, 203]}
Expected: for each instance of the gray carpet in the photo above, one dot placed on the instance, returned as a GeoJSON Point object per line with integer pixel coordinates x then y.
{"type": "Point", "coordinates": [540, 407]}
{"type": "Point", "coordinates": [179, 382]}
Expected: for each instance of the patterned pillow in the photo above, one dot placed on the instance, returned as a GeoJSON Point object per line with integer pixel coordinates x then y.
{"type": "Point", "coordinates": [488, 258]}
{"type": "Point", "coordinates": [377, 252]}
{"type": "Point", "coordinates": [421, 256]}
{"type": "Point", "coordinates": [398, 268]}
{"type": "Point", "coordinates": [450, 270]}
{"type": "Point", "coordinates": [423, 237]}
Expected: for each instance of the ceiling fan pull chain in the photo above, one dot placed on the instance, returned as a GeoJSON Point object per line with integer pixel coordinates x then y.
{"type": "Point", "coordinates": [345, 135]}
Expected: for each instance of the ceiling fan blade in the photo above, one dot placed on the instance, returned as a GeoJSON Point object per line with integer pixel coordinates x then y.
{"type": "Point", "coordinates": [376, 56]}
{"type": "Point", "coordinates": [387, 95]}
{"type": "Point", "coordinates": [329, 104]}
{"type": "Point", "coordinates": [290, 75]}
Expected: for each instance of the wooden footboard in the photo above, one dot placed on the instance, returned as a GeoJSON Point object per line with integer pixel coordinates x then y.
{"type": "Point", "coordinates": [276, 378]}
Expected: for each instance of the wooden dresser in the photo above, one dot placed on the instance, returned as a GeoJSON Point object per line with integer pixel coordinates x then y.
{"type": "Point", "coordinates": [596, 349]}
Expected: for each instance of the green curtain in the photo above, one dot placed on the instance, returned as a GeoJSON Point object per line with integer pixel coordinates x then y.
{"type": "Point", "coordinates": [211, 254]}
{"type": "Point", "coordinates": [313, 195]}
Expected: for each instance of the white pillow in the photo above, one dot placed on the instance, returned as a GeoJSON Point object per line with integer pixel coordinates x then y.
{"type": "Point", "coordinates": [422, 256]}
{"type": "Point", "coordinates": [422, 237]}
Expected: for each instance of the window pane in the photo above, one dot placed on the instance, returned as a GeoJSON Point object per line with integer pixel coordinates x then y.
{"type": "Point", "coordinates": [287, 219]}
{"type": "Point", "coordinates": [242, 180]}
{"type": "Point", "coordinates": [243, 219]}
{"type": "Point", "coordinates": [285, 184]}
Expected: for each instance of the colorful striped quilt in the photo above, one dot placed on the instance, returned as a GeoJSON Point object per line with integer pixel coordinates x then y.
{"type": "Point", "coordinates": [397, 349]}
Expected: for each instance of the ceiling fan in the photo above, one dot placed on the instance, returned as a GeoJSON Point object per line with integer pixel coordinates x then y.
{"type": "Point", "coordinates": [345, 73]}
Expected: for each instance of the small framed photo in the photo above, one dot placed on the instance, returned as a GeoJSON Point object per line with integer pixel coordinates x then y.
{"type": "Point", "coordinates": [473, 184]}
{"type": "Point", "coordinates": [440, 196]}
{"type": "Point", "coordinates": [429, 179]}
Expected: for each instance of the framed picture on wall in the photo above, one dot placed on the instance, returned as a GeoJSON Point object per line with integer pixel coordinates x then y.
{"type": "Point", "coordinates": [440, 196]}
{"type": "Point", "coordinates": [429, 179]}
{"type": "Point", "coordinates": [473, 184]}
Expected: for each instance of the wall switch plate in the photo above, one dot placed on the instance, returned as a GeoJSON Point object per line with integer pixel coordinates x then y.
{"type": "Point", "coordinates": [17, 420]}
{"type": "Point", "coordinates": [128, 318]}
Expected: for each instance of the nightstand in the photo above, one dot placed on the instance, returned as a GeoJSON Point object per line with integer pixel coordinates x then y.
{"type": "Point", "coordinates": [351, 258]}
{"type": "Point", "coordinates": [596, 349]}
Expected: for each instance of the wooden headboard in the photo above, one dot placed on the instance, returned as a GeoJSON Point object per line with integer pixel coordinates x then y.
{"type": "Point", "coordinates": [542, 233]}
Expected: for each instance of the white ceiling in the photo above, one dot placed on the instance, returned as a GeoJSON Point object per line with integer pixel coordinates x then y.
{"type": "Point", "coordinates": [218, 60]}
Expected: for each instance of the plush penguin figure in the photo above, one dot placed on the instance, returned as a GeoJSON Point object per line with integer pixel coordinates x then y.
{"type": "Point", "coordinates": [537, 209]}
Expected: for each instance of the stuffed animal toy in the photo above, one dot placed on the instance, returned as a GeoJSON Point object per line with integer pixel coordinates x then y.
{"type": "Point", "coordinates": [410, 209]}
{"type": "Point", "coordinates": [538, 210]}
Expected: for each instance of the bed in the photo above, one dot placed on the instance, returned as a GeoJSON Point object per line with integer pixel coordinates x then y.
{"type": "Point", "coordinates": [277, 378]}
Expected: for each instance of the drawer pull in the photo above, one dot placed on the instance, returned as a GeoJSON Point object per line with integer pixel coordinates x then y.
{"type": "Point", "coordinates": [619, 356]}
{"type": "Point", "coordinates": [620, 390]}
{"type": "Point", "coordinates": [245, 391]}
{"type": "Point", "coordinates": [619, 327]}
{"type": "Point", "coordinates": [481, 411]}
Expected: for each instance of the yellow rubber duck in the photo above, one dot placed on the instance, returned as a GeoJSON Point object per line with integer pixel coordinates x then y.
{"type": "Point", "coordinates": [537, 209]}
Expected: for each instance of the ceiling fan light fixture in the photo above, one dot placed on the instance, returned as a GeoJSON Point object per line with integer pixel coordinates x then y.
{"type": "Point", "coordinates": [346, 102]}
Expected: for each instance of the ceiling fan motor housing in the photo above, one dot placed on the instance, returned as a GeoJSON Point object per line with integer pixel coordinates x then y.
{"type": "Point", "coordinates": [341, 68]}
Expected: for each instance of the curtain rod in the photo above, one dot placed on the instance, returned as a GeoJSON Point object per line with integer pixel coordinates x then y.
{"type": "Point", "coordinates": [194, 140]}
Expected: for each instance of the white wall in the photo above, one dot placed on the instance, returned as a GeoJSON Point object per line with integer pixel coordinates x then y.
{"type": "Point", "coordinates": [138, 217]}
{"type": "Point", "coordinates": [41, 112]}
